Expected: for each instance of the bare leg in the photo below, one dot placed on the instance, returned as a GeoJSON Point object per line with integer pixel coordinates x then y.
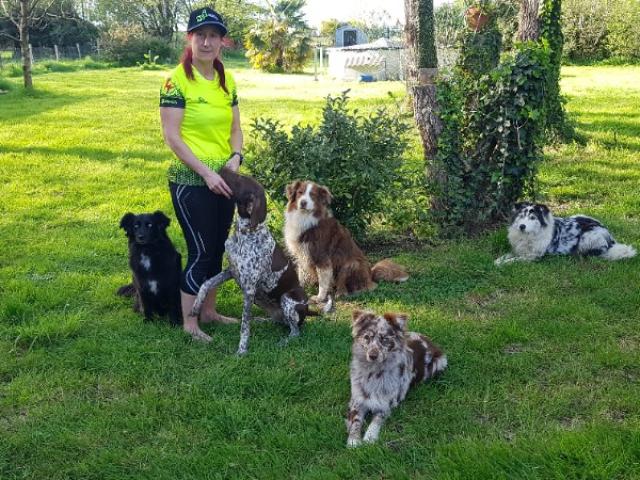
{"type": "Point", "coordinates": [190, 322]}
{"type": "Point", "coordinates": [204, 305]}
{"type": "Point", "coordinates": [209, 313]}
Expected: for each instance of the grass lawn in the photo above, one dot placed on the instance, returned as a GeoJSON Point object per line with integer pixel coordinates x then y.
{"type": "Point", "coordinates": [544, 358]}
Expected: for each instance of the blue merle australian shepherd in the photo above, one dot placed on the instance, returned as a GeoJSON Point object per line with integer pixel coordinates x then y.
{"type": "Point", "coordinates": [535, 232]}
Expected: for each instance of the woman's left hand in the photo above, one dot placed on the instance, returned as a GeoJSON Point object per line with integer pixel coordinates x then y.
{"type": "Point", "coordinates": [233, 163]}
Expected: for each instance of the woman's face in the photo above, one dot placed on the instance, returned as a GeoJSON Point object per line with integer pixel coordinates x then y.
{"type": "Point", "coordinates": [206, 42]}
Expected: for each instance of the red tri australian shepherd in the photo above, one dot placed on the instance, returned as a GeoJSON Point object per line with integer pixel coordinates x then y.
{"type": "Point", "coordinates": [323, 249]}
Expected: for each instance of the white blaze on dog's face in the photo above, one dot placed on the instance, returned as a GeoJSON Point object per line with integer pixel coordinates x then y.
{"type": "Point", "coordinates": [530, 218]}
{"type": "Point", "coordinates": [378, 336]}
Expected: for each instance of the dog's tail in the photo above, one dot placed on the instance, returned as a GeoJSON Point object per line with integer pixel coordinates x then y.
{"type": "Point", "coordinates": [438, 364]}
{"type": "Point", "coordinates": [618, 251]}
{"type": "Point", "coordinates": [128, 290]}
{"type": "Point", "coordinates": [389, 271]}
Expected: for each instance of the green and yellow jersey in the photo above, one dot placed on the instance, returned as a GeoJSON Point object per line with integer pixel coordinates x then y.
{"type": "Point", "coordinates": [206, 126]}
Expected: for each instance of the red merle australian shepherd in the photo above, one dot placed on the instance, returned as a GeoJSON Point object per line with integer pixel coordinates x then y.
{"type": "Point", "coordinates": [386, 360]}
{"type": "Point", "coordinates": [323, 249]}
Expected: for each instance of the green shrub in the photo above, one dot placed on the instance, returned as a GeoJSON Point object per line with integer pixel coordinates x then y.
{"type": "Point", "coordinates": [6, 85]}
{"type": "Point", "coordinates": [53, 66]}
{"type": "Point", "coordinates": [90, 64]}
{"type": "Point", "coordinates": [14, 70]}
{"type": "Point", "coordinates": [357, 157]}
{"type": "Point", "coordinates": [127, 46]}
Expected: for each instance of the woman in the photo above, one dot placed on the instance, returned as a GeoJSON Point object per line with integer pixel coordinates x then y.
{"type": "Point", "coordinates": [201, 125]}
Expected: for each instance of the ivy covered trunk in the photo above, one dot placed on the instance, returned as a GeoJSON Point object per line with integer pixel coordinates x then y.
{"type": "Point", "coordinates": [420, 36]}
{"type": "Point", "coordinates": [557, 126]}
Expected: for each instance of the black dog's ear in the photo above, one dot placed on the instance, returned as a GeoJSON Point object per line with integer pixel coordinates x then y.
{"type": "Point", "coordinates": [127, 221]}
{"type": "Point", "coordinates": [545, 210]}
{"type": "Point", "coordinates": [519, 206]}
{"type": "Point", "coordinates": [258, 209]}
{"type": "Point", "coordinates": [542, 212]}
{"type": "Point", "coordinates": [161, 219]}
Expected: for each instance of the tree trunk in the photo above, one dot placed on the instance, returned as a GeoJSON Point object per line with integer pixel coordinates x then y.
{"type": "Point", "coordinates": [24, 43]}
{"type": "Point", "coordinates": [425, 108]}
{"type": "Point", "coordinates": [411, 38]}
{"type": "Point", "coordinates": [419, 27]}
{"type": "Point", "coordinates": [528, 22]}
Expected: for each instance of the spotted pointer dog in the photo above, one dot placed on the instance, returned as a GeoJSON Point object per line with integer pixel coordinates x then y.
{"type": "Point", "coordinates": [258, 265]}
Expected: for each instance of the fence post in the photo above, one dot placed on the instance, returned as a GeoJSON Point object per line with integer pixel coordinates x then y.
{"type": "Point", "coordinates": [55, 49]}
{"type": "Point", "coordinates": [79, 53]}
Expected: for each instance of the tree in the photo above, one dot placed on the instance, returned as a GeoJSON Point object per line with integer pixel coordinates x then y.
{"type": "Point", "coordinates": [328, 30]}
{"type": "Point", "coordinates": [25, 15]}
{"type": "Point", "coordinates": [528, 21]}
{"type": "Point", "coordinates": [281, 40]}
{"type": "Point", "coordinates": [62, 25]}
{"type": "Point", "coordinates": [557, 126]}
{"type": "Point", "coordinates": [158, 18]}
{"type": "Point", "coordinates": [423, 64]}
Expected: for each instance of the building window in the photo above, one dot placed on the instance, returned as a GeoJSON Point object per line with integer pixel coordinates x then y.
{"type": "Point", "coordinates": [349, 38]}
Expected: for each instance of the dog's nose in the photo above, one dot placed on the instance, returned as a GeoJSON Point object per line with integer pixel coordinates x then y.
{"type": "Point", "coordinates": [373, 355]}
{"type": "Point", "coordinates": [523, 227]}
{"type": "Point", "coordinates": [303, 204]}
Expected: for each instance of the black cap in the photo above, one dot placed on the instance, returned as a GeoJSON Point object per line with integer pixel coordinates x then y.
{"type": "Point", "coordinates": [206, 16]}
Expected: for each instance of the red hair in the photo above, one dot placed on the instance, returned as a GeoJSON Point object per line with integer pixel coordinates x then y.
{"type": "Point", "coordinates": [187, 63]}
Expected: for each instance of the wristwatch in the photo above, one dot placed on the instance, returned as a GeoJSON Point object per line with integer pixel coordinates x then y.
{"type": "Point", "coordinates": [239, 155]}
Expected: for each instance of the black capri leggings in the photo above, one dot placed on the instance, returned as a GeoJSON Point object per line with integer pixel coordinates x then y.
{"type": "Point", "coordinates": [205, 218]}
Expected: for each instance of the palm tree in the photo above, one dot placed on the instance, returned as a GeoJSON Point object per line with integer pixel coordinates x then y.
{"type": "Point", "coordinates": [281, 41]}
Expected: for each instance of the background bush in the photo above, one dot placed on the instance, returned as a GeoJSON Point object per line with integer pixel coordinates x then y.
{"type": "Point", "coordinates": [358, 157]}
{"type": "Point", "coordinates": [127, 46]}
{"type": "Point", "coordinates": [596, 30]}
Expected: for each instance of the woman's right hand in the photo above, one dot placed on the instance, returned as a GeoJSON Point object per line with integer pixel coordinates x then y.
{"type": "Point", "coordinates": [217, 184]}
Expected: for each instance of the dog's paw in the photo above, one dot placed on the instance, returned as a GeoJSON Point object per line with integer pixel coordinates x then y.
{"type": "Point", "coordinates": [504, 259]}
{"type": "Point", "coordinates": [316, 299]}
{"type": "Point", "coordinates": [353, 442]}
{"type": "Point", "coordinates": [370, 438]}
{"type": "Point", "coordinates": [328, 306]}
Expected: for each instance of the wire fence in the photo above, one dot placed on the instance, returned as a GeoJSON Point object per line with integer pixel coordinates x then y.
{"type": "Point", "coordinates": [13, 56]}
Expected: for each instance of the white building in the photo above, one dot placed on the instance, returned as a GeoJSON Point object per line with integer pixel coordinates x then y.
{"type": "Point", "coordinates": [379, 60]}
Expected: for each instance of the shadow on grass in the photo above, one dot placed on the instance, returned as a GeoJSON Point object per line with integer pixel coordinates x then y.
{"type": "Point", "coordinates": [20, 103]}
{"type": "Point", "coordinates": [98, 154]}
{"type": "Point", "coordinates": [611, 124]}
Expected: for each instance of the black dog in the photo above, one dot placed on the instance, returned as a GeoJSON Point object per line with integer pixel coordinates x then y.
{"type": "Point", "coordinates": [155, 266]}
